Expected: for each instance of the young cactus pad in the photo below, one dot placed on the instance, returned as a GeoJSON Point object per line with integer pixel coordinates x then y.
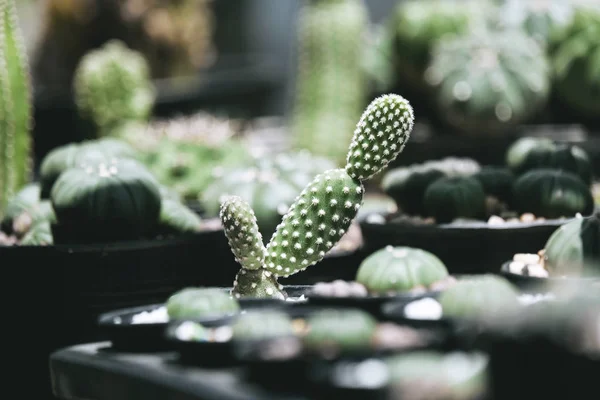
{"type": "Point", "coordinates": [380, 135]}
{"type": "Point", "coordinates": [242, 232]}
{"type": "Point", "coordinates": [316, 221]}
{"type": "Point", "coordinates": [15, 105]}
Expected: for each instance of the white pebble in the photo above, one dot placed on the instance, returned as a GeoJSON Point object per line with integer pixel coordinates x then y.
{"type": "Point", "coordinates": [157, 316]}
{"type": "Point", "coordinates": [426, 308]}
{"type": "Point", "coordinates": [527, 258]}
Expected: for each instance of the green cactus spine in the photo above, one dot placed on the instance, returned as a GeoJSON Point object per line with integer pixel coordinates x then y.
{"type": "Point", "coordinates": [323, 211]}
{"type": "Point", "coordinates": [330, 81]}
{"type": "Point", "coordinates": [15, 106]}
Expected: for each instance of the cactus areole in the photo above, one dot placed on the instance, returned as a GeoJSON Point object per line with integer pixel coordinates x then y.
{"type": "Point", "coordinates": [323, 211]}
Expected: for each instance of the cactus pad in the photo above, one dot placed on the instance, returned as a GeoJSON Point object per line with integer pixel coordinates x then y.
{"type": "Point", "coordinates": [258, 283]}
{"type": "Point", "coordinates": [242, 232]}
{"type": "Point", "coordinates": [380, 135]}
{"type": "Point", "coordinates": [316, 221]}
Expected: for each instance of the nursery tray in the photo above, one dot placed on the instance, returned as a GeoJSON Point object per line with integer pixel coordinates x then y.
{"type": "Point", "coordinates": [465, 248]}
{"type": "Point", "coordinates": [534, 284]}
{"type": "Point", "coordinates": [117, 325]}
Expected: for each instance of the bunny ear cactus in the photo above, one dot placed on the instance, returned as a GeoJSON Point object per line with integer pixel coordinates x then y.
{"type": "Point", "coordinates": [112, 86]}
{"type": "Point", "coordinates": [323, 211]}
{"type": "Point", "coordinates": [15, 106]}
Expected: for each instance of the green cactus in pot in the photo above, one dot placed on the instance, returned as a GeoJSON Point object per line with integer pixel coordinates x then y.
{"type": "Point", "coordinates": [15, 106]}
{"type": "Point", "coordinates": [323, 211]}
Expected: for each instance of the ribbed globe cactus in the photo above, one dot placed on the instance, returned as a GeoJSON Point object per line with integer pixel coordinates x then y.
{"type": "Point", "coordinates": [112, 86]}
{"type": "Point", "coordinates": [15, 106]}
{"type": "Point", "coordinates": [489, 80]}
{"type": "Point", "coordinates": [323, 211]}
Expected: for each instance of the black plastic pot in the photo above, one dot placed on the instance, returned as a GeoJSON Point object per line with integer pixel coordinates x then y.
{"type": "Point", "coordinates": [473, 248]}
{"type": "Point", "coordinates": [536, 367]}
{"type": "Point", "coordinates": [371, 304]}
{"type": "Point", "coordinates": [534, 284]}
{"type": "Point", "coordinates": [117, 325]}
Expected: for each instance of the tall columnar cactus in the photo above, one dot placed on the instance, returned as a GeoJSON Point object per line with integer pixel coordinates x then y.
{"type": "Point", "coordinates": [323, 211]}
{"type": "Point", "coordinates": [330, 84]}
{"type": "Point", "coordinates": [15, 105]}
{"type": "Point", "coordinates": [112, 86]}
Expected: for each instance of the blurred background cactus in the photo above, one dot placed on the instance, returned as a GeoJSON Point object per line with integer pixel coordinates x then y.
{"type": "Point", "coordinates": [112, 86]}
{"type": "Point", "coordinates": [15, 106]}
{"type": "Point", "coordinates": [330, 83]}
{"type": "Point", "coordinates": [175, 36]}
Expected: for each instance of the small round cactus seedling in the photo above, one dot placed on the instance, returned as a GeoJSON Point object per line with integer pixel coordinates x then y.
{"type": "Point", "coordinates": [380, 135]}
{"type": "Point", "coordinates": [198, 303]}
{"type": "Point", "coordinates": [344, 330]}
{"type": "Point", "coordinates": [258, 283]}
{"type": "Point", "coordinates": [263, 324]}
{"type": "Point", "coordinates": [316, 221]}
{"type": "Point", "coordinates": [242, 233]}
{"type": "Point", "coordinates": [395, 270]}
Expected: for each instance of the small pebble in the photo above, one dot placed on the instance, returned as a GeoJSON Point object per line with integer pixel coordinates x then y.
{"type": "Point", "coordinates": [527, 217]}
{"type": "Point", "coordinates": [496, 220]}
{"type": "Point", "coordinates": [392, 336]}
{"type": "Point", "coordinates": [527, 258]}
{"type": "Point", "coordinates": [516, 267]}
{"type": "Point", "coordinates": [426, 308]}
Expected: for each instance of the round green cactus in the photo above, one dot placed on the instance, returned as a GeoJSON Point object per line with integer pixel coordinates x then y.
{"type": "Point", "coordinates": [395, 270]}
{"type": "Point", "coordinates": [407, 185]}
{"type": "Point", "coordinates": [242, 233]}
{"type": "Point", "coordinates": [487, 81]}
{"type": "Point", "coordinates": [112, 86]}
{"type": "Point", "coordinates": [71, 155]}
{"type": "Point", "coordinates": [574, 248]}
{"type": "Point", "coordinates": [479, 296]}
{"type": "Point", "coordinates": [317, 220]}
{"type": "Point", "coordinates": [346, 330]}
{"type": "Point", "coordinates": [552, 193]}
{"type": "Point", "coordinates": [107, 201]}
{"type": "Point", "coordinates": [450, 198]}
{"type": "Point", "coordinates": [198, 303]}
{"type": "Point", "coordinates": [262, 324]}
{"type": "Point", "coordinates": [518, 152]}
{"type": "Point", "coordinates": [497, 182]}
{"type": "Point", "coordinates": [575, 52]}
{"type": "Point", "coordinates": [417, 25]}
{"type": "Point", "coordinates": [544, 153]}
{"type": "Point", "coordinates": [380, 136]}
